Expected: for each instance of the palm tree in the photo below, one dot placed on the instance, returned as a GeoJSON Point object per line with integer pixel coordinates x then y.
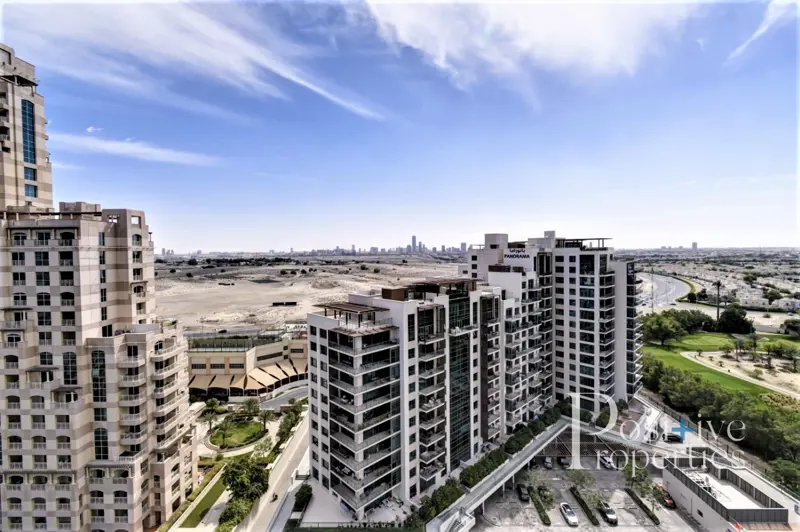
{"type": "Point", "coordinates": [251, 407]}
{"type": "Point", "coordinates": [211, 417]}
{"type": "Point", "coordinates": [224, 426]}
{"type": "Point", "coordinates": [718, 285]}
{"type": "Point", "coordinates": [754, 339]}
{"type": "Point", "coordinates": [266, 416]}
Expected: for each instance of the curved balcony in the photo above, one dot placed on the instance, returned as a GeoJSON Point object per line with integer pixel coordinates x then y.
{"type": "Point", "coordinates": [132, 400]}
{"type": "Point", "coordinates": [133, 380]}
{"type": "Point", "coordinates": [133, 438]}
{"type": "Point", "coordinates": [133, 419]}
{"type": "Point", "coordinates": [130, 362]}
{"type": "Point", "coordinates": [165, 372]}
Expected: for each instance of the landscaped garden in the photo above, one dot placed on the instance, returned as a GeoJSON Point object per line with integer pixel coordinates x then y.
{"type": "Point", "coordinates": [237, 434]}
{"type": "Point", "coordinates": [241, 427]}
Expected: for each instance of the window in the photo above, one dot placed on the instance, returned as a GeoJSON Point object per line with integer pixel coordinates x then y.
{"type": "Point", "coordinates": [412, 404]}
{"type": "Point", "coordinates": [18, 258]}
{"type": "Point", "coordinates": [100, 414]}
{"type": "Point", "coordinates": [102, 257]}
{"type": "Point", "coordinates": [236, 365]}
{"type": "Point", "coordinates": [102, 276]}
{"type": "Point", "coordinates": [101, 239]}
{"type": "Point", "coordinates": [30, 174]}
{"type": "Point", "coordinates": [45, 338]}
{"type": "Point", "coordinates": [412, 353]}
{"type": "Point", "coordinates": [18, 278]}
{"type": "Point", "coordinates": [313, 346]}
{"type": "Point", "coordinates": [46, 359]}
{"type": "Point", "coordinates": [412, 387]}
{"type": "Point", "coordinates": [70, 369]}
{"type": "Point", "coordinates": [42, 279]}
{"type": "Point", "coordinates": [98, 376]}
{"type": "Point", "coordinates": [218, 366]}
{"type": "Point", "coordinates": [313, 330]}
{"type": "Point", "coordinates": [43, 319]}
{"type": "Point", "coordinates": [103, 295]}
{"type": "Point", "coordinates": [28, 133]}
{"type": "Point", "coordinates": [31, 191]}
{"type": "Point", "coordinates": [198, 366]}
{"type": "Point", "coordinates": [42, 258]}
{"type": "Point", "coordinates": [323, 333]}
{"type": "Point", "coordinates": [107, 331]}
{"type": "Point", "coordinates": [100, 444]}
{"type": "Point", "coordinates": [104, 313]}
{"type": "Point", "coordinates": [411, 327]}
{"type": "Point", "coordinates": [42, 299]}
{"type": "Point", "coordinates": [136, 240]}
{"type": "Point", "coordinates": [412, 370]}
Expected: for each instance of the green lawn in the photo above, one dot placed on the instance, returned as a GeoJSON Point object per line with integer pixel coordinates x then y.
{"type": "Point", "coordinates": [674, 359]}
{"type": "Point", "coordinates": [704, 341]}
{"type": "Point", "coordinates": [205, 504]}
{"type": "Point", "coordinates": [241, 433]}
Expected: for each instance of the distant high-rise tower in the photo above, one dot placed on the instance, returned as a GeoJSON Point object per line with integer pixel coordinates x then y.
{"type": "Point", "coordinates": [694, 246]}
{"type": "Point", "coordinates": [163, 251]}
{"type": "Point", "coordinates": [463, 247]}
{"type": "Point", "coordinates": [413, 242]}
{"type": "Point", "coordinates": [25, 178]}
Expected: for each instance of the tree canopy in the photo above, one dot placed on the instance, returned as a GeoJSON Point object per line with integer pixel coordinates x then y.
{"type": "Point", "coordinates": [733, 320]}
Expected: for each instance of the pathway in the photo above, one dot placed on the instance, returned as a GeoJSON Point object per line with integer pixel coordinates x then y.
{"type": "Point", "coordinates": [281, 477]}
{"type": "Point", "coordinates": [283, 399]}
{"type": "Point", "coordinates": [708, 364]}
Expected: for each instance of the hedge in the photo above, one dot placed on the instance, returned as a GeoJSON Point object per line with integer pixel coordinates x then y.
{"type": "Point", "coordinates": [638, 500]}
{"type": "Point", "coordinates": [483, 467]}
{"type": "Point", "coordinates": [588, 511]}
{"type": "Point", "coordinates": [539, 506]}
{"type": "Point", "coordinates": [192, 496]}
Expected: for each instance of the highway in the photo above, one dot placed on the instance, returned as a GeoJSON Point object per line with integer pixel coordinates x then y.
{"type": "Point", "coordinates": [659, 293]}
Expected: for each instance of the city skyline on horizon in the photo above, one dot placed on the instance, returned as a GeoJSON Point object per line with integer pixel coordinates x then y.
{"type": "Point", "coordinates": [667, 124]}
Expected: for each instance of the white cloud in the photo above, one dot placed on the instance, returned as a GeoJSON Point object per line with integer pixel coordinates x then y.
{"type": "Point", "coordinates": [136, 47]}
{"type": "Point", "coordinates": [586, 40]}
{"type": "Point", "coordinates": [94, 129]}
{"type": "Point", "coordinates": [135, 149]}
{"type": "Point", "coordinates": [778, 11]}
{"type": "Point", "coordinates": [702, 44]}
{"type": "Point", "coordinates": [64, 166]}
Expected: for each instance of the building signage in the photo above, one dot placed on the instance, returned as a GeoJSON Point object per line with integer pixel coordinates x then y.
{"type": "Point", "coordinates": [521, 258]}
{"type": "Point", "coordinates": [516, 256]}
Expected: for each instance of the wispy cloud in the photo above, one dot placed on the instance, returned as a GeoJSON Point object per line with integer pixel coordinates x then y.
{"type": "Point", "coordinates": [777, 12]}
{"type": "Point", "coordinates": [471, 41]}
{"type": "Point", "coordinates": [135, 47]}
{"type": "Point", "coordinates": [94, 129]}
{"type": "Point", "coordinates": [133, 149]}
{"type": "Point", "coordinates": [65, 166]}
{"type": "Point", "coordinates": [701, 43]}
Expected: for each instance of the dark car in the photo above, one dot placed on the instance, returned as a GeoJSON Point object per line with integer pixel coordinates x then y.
{"type": "Point", "coordinates": [673, 438]}
{"type": "Point", "coordinates": [548, 462]}
{"type": "Point", "coordinates": [563, 462]}
{"type": "Point", "coordinates": [522, 493]}
{"type": "Point", "coordinates": [607, 512]}
{"type": "Point", "coordinates": [665, 497]}
{"type": "Point", "coordinates": [534, 463]}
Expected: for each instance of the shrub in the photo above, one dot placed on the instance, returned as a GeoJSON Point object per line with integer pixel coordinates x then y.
{"type": "Point", "coordinates": [376, 270]}
{"type": "Point", "coordinates": [602, 419]}
{"type": "Point", "coordinates": [189, 275]}
{"type": "Point", "coordinates": [302, 498]}
{"type": "Point", "coordinates": [539, 506]}
{"type": "Point", "coordinates": [638, 500]}
{"type": "Point", "coordinates": [192, 496]}
{"type": "Point", "coordinates": [518, 441]}
{"type": "Point", "coordinates": [172, 271]}
{"type": "Point", "coordinates": [586, 416]}
{"type": "Point", "coordinates": [482, 468]}
{"type": "Point", "coordinates": [236, 510]}
{"type": "Point", "coordinates": [582, 503]}
{"type": "Point", "coordinates": [363, 266]}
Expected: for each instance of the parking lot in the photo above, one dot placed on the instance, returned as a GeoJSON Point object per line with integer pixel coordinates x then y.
{"type": "Point", "coordinates": [504, 511]}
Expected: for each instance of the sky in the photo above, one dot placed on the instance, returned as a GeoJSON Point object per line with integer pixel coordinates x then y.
{"type": "Point", "coordinates": [257, 126]}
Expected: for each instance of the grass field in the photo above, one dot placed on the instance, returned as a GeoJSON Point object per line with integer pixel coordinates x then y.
{"type": "Point", "coordinates": [205, 504]}
{"type": "Point", "coordinates": [240, 434]}
{"type": "Point", "coordinates": [704, 341]}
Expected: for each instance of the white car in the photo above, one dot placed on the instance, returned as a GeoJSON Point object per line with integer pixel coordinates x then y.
{"type": "Point", "coordinates": [569, 515]}
{"type": "Point", "coordinates": [606, 462]}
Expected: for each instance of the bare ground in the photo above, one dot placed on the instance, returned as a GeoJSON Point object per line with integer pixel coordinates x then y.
{"type": "Point", "coordinates": [202, 303]}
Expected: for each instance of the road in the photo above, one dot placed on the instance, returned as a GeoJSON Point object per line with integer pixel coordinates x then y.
{"type": "Point", "coordinates": [283, 399]}
{"type": "Point", "coordinates": [661, 291]}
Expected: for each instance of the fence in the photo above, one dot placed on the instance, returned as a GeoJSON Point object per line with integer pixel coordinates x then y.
{"type": "Point", "coordinates": [361, 526]}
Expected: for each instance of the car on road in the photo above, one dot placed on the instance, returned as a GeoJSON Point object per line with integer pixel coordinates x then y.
{"type": "Point", "coordinates": [664, 496]}
{"type": "Point", "coordinates": [522, 493]}
{"type": "Point", "coordinates": [548, 462]}
{"type": "Point", "coordinates": [607, 462]}
{"type": "Point", "coordinates": [673, 304]}
{"type": "Point", "coordinates": [563, 461]}
{"type": "Point", "coordinates": [535, 463]}
{"type": "Point", "coordinates": [607, 513]}
{"type": "Point", "coordinates": [568, 513]}
{"type": "Point", "coordinates": [673, 438]}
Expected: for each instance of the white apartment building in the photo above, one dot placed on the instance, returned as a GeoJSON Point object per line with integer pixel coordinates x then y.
{"type": "Point", "coordinates": [93, 397]}
{"type": "Point", "coordinates": [407, 385]}
{"type": "Point", "coordinates": [597, 339]}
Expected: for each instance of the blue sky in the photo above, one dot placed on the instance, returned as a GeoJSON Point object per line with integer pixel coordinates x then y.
{"type": "Point", "coordinates": [268, 126]}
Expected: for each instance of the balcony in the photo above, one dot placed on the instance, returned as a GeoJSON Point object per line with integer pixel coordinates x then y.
{"type": "Point", "coordinates": [67, 282]}
{"type": "Point", "coordinates": [426, 335]}
{"type": "Point", "coordinates": [160, 355]}
{"type": "Point", "coordinates": [354, 446]}
{"type": "Point", "coordinates": [377, 383]}
{"type": "Point", "coordinates": [167, 388]}
{"type": "Point", "coordinates": [431, 438]}
{"type": "Point", "coordinates": [354, 483]}
{"type": "Point", "coordinates": [168, 424]}
{"type": "Point", "coordinates": [356, 408]}
{"type": "Point", "coordinates": [167, 406]}
{"type": "Point", "coordinates": [430, 406]}
{"type": "Point", "coordinates": [132, 400]}
{"type": "Point", "coordinates": [166, 371]}
{"type": "Point", "coordinates": [133, 380]}
{"type": "Point", "coordinates": [67, 262]}
{"type": "Point", "coordinates": [428, 357]}
{"type": "Point", "coordinates": [364, 368]}
{"type": "Point", "coordinates": [16, 345]}
{"type": "Point", "coordinates": [130, 362]}
{"type": "Point", "coordinates": [363, 350]}
{"type": "Point", "coordinates": [429, 456]}
{"type": "Point", "coordinates": [132, 438]}
{"type": "Point", "coordinates": [133, 419]}
{"type": "Point", "coordinates": [430, 390]}
{"type": "Point", "coordinates": [12, 325]}
{"type": "Point", "coordinates": [431, 471]}
{"type": "Point", "coordinates": [431, 423]}
{"type": "Point", "coordinates": [428, 373]}
{"type": "Point", "coordinates": [358, 465]}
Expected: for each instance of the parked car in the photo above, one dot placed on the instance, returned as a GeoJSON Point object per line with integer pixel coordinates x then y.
{"type": "Point", "coordinates": [522, 493]}
{"type": "Point", "coordinates": [535, 463]}
{"type": "Point", "coordinates": [665, 497]}
{"type": "Point", "coordinates": [548, 462]}
{"type": "Point", "coordinates": [563, 461]}
{"type": "Point", "coordinates": [569, 514]}
{"type": "Point", "coordinates": [607, 462]}
{"type": "Point", "coordinates": [607, 513]}
{"type": "Point", "coordinates": [673, 438]}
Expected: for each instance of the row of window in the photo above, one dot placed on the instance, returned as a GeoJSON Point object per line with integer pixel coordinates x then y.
{"type": "Point", "coordinates": [42, 258]}
{"type": "Point", "coordinates": [232, 365]}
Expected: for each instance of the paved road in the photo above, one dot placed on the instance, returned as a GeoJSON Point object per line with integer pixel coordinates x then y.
{"type": "Point", "coordinates": [283, 399]}
{"type": "Point", "coordinates": [661, 291]}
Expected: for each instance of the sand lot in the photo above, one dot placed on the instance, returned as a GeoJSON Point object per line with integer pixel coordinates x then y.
{"type": "Point", "coordinates": [202, 303]}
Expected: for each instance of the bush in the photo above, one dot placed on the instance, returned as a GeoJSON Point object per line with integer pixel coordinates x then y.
{"type": "Point", "coordinates": [638, 500]}
{"type": "Point", "coordinates": [588, 511]}
{"type": "Point", "coordinates": [189, 275]}
{"type": "Point", "coordinates": [480, 470]}
{"type": "Point", "coordinates": [236, 510]}
{"type": "Point", "coordinates": [302, 498]}
{"type": "Point", "coordinates": [363, 266]}
{"type": "Point", "coordinates": [586, 416]}
{"type": "Point", "coordinates": [172, 270]}
{"type": "Point", "coordinates": [602, 419]}
{"type": "Point", "coordinates": [539, 506]}
{"type": "Point", "coordinates": [190, 499]}
{"type": "Point", "coordinates": [518, 441]}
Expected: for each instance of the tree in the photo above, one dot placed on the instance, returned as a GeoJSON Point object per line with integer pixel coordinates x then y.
{"type": "Point", "coordinates": [580, 478]}
{"type": "Point", "coordinates": [245, 478]}
{"type": "Point", "coordinates": [250, 407]}
{"type": "Point", "coordinates": [650, 493]}
{"type": "Point", "coordinates": [658, 327]}
{"type": "Point", "coordinates": [262, 448]}
{"type": "Point", "coordinates": [212, 404]}
{"type": "Point", "coordinates": [225, 426]}
{"type": "Point", "coordinates": [189, 275]}
{"type": "Point", "coordinates": [727, 348]}
{"type": "Point", "coordinates": [691, 297]}
{"type": "Point", "coordinates": [791, 327]}
{"type": "Point", "coordinates": [753, 342]}
{"type": "Point", "coordinates": [622, 405]}
{"type": "Point", "coordinates": [173, 270]}
{"type": "Point", "coordinates": [302, 496]}
{"type": "Point", "coordinates": [266, 416]}
{"type": "Point", "coordinates": [602, 419]}
{"type": "Point", "coordinates": [786, 472]}
{"type": "Point", "coordinates": [635, 474]}
{"type": "Point", "coordinates": [773, 295]}
{"type": "Point", "coordinates": [733, 320]}
{"type": "Point", "coordinates": [210, 418]}
{"type": "Point", "coordinates": [192, 262]}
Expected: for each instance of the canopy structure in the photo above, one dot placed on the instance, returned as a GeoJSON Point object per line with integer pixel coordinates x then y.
{"type": "Point", "coordinates": [257, 381]}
